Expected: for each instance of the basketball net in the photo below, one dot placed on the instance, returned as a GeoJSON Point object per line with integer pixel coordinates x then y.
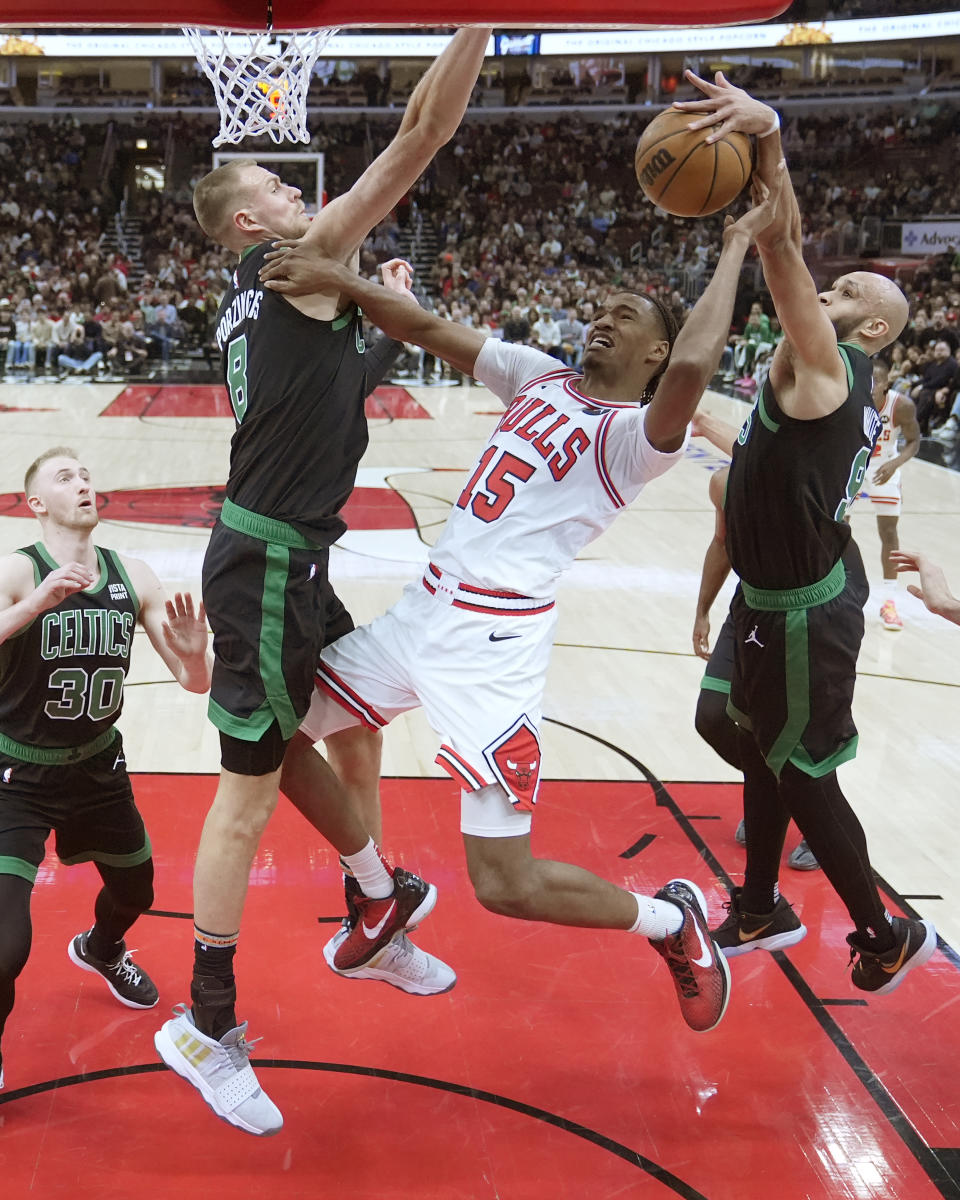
{"type": "Point", "coordinates": [261, 83]}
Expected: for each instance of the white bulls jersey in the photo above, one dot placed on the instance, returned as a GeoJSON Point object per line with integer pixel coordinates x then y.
{"type": "Point", "coordinates": [885, 498]}
{"type": "Point", "coordinates": [886, 445]}
{"type": "Point", "coordinates": [560, 465]}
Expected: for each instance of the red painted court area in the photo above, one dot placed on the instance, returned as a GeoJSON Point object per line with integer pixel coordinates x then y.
{"type": "Point", "coordinates": [211, 400]}
{"type": "Point", "coordinates": [558, 1067]}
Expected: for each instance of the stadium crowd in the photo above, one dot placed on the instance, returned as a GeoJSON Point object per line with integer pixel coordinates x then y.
{"type": "Point", "coordinates": [531, 218]}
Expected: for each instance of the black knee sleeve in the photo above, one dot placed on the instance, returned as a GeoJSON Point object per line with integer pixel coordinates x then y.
{"type": "Point", "coordinates": [253, 758]}
{"type": "Point", "coordinates": [716, 728]}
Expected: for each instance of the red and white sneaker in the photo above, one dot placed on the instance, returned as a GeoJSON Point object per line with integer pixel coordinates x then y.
{"type": "Point", "coordinates": [889, 616]}
{"type": "Point", "coordinates": [401, 964]}
{"type": "Point", "coordinates": [699, 969]}
{"type": "Point", "coordinates": [378, 921]}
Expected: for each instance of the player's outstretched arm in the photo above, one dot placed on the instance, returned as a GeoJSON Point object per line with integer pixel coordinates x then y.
{"type": "Point", "coordinates": [933, 589]}
{"type": "Point", "coordinates": [177, 631]}
{"type": "Point", "coordinates": [699, 345]}
{"type": "Point", "coordinates": [806, 328]}
{"type": "Point", "coordinates": [718, 433]}
{"type": "Point", "coordinates": [299, 269]}
{"type": "Point", "coordinates": [22, 601]}
{"type": "Point", "coordinates": [716, 567]}
{"type": "Point", "coordinates": [432, 116]}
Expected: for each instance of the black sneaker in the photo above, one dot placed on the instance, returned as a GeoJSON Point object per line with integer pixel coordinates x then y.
{"type": "Point", "coordinates": [883, 973]}
{"type": "Point", "coordinates": [130, 984]}
{"type": "Point", "coordinates": [700, 973]}
{"type": "Point", "coordinates": [742, 932]}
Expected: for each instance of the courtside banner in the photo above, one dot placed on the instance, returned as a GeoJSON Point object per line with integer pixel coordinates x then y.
{"type": "Point", "coordinates": [929, 237]}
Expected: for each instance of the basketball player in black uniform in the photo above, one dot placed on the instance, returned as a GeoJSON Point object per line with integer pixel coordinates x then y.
{"type": "Point", "coordinates": [295, 374]}
{"type": "Point", "coordinates": [712, 721]}
{"type": "Point", "coordinates": [68, 610]}
{"type": "Point", "coordinates": [798, 618]}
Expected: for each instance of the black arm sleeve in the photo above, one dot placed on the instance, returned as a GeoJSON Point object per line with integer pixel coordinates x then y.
{"type": "Point", "coordinates": [379, 358]}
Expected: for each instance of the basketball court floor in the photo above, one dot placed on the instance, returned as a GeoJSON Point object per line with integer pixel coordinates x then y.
{"type": "Point", "coordinates": [558, 1068]}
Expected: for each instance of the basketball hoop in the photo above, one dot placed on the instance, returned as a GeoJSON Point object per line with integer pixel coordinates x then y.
{"type": "Point", "coordinates": [261, 80]}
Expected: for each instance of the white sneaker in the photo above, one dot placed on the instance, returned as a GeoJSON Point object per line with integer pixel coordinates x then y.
{"type": "Point", "coordinates": [400, 963]}
{"type": "Point", "coordinates": [220, 1071]}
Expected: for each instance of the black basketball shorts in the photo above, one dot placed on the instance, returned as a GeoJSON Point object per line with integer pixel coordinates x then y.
{"type": "Point", "coordinates": [271, 609]}
{"type": "Point", "coordinates": [89, 806]}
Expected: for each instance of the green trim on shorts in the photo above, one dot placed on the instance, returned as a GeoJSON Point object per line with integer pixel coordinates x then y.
{"type": "Point", "coordinates": [710, 683]}
{"type": "Point", "coordinates": [816, 770]}
{"type": "Point", "coordinates": [57, 756]}
{"type": "Point", "coordinates": [19, 867]}
{"type": "Point", "coordinates": [133, 859]}
{"type": "Point", "coordinates": [266, 529]}
{"type": "Point", "coordinates": [797, 678]}
{"type": "Point", "coordinates": [247, 729]}
{"type": "Point", "coordinates": [794, 599]}
{"type": "Point", "coordinates": [741, 718]}
{"type": "Point", "coordinates": [277, 705]}
{"type": "Point", "coordinates": [271, 639]}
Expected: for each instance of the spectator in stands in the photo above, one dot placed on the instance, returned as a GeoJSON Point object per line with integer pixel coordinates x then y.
{"type": "Point", "coordinates": [930, 394]}
{"type": "Point", "coordinates": [516, 327]}
{"type": "Point", "coordinates": [83, 350]}
{"type": "Point", "coordinates": [8, 327]}
{"type": "Point", "coordinates": [572, 335]}
{"type": "Point", "coordinates": [162, 324]}
{"type": "Point", "coordinates": [20, 347]}
{"type": "Point", "coordinates": [44, 334]}
{"type": "Point", "coordinates": [546, 333]}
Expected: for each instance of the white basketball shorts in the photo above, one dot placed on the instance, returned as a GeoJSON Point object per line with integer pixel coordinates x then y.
{"type": "Point", "coordinates": [884, 498]}
{"type": "Point", "coordinates": [477, 668]}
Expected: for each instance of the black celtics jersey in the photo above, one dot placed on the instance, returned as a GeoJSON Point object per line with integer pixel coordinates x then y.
{"type": "Point", "coordinates": [61, 676]}
{"type": "Point", "coordinates": [791, 482]}
{"type": "Point", "coordinates": [297, 386]}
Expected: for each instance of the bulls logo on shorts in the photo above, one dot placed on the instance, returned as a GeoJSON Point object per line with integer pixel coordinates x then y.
{"type": "Point", "coordinates": [515, 760]}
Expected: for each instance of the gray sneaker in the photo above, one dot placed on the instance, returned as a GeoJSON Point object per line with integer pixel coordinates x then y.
{"type": "Point", "coordinates": [802, 859]}
{"type": "Point", "coordinates": [220, 1071]}
{"type": "Point", "coordinates": [400, 963]}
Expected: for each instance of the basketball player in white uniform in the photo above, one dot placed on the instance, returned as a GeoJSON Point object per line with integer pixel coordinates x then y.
{"type": "Point", "coordinates": [881, 486]}
{"type": "Point", "coordinates": [471, 641]}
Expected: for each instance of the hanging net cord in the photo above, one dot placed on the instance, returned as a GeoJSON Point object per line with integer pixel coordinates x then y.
{"type": "Point", "coordinates": [260, 80]}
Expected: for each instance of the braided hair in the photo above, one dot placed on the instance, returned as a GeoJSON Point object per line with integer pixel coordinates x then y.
{"type": "Point", "coordinates": [671, 327]}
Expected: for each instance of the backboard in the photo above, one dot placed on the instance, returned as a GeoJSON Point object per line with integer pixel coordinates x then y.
{"type": "Point", "coordinates": [315, 14]}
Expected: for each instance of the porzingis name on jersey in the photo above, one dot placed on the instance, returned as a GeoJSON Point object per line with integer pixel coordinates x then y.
{"type": "Point", "coordinates": [530, 420]}
{"type": "Point", "coordinates": [101, 631]}
{"type": "Point", "coordinates": [245, 307]}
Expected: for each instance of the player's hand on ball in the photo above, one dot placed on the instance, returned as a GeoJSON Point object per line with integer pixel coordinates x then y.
{"type": "Point", "coordinates": [729, 108]}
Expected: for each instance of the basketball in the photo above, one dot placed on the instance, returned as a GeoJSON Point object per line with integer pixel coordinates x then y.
{"type": "Point", "coordinates": [679, 172]}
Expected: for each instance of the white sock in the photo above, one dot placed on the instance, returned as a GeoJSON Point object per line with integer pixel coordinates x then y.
{"type": "Point", "coordinates": [370, 871]}
{"type": "Point", "coordinates": [656, 919]}
{"type": "Point", "coordinates": [890, 588]}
